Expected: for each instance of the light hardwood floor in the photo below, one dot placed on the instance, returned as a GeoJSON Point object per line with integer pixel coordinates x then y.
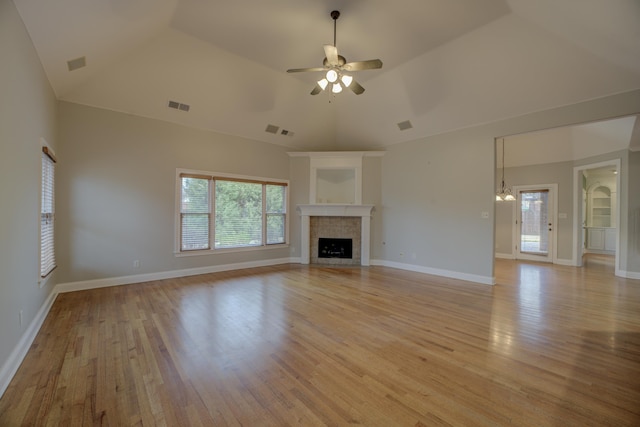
{"type": "Point", "coordinates": [299, 345]}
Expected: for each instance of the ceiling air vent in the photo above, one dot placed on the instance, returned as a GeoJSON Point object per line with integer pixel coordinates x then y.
{"type": "Point", "coordinates": [179, 106]}
{"type": "Point", "coordinates": [74, 64]}
{"type": "Point", "coordinates": [405, 125]}
{"type": "Point", "coordinates": [272, 129]}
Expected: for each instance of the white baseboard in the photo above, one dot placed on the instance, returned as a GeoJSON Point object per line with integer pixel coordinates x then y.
{"type": "Point", "coordinates": [628, 274]}
{"type": "Point", "coordinates": [485, 280]}
{"type": "Point", "coordinates": [149, 277]}
{"type": "Point", "coordinates": [562, 261]}
{"type": "Point", "coordinates": [505, 256]}
{"type": "Point", "coordinates": [12, 364]}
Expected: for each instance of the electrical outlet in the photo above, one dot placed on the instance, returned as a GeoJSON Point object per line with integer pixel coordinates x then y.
{"type": "Point", "coordinates": [136, 264]}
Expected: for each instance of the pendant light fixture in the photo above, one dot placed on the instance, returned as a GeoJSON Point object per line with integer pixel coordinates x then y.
{"type": "Point", "coordinates": [504, 193]}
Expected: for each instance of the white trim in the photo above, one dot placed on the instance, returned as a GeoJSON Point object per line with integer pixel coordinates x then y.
{"type": "Point", "coordinates": [483, 280]}
{"type": "Point", "coordinates": [10, 367]}
{"type": "Point", "coordinates": [577, 225]}
{"type": "Point", "coordinates": [162, 275]}
{"type": "Point", "coordinates": [567, 262]}
{"type": "Point", "coordinates": [505, 256]}
{"type": "Point", "coordinates": [629, 274]}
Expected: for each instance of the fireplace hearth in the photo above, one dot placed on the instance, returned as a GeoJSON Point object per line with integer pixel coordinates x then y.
{"type": "Point", "coordinates": [335, 248]}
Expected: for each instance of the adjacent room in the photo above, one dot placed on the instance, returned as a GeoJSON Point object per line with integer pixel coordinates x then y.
{"type": "Point", "coordinates": [313, 212]}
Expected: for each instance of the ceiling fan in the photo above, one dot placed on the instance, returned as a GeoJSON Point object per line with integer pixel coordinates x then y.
{"type": "Point", "coordinates": [335, 67]}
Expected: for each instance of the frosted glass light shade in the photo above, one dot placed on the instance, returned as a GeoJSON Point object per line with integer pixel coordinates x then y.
{"type": "Point", "coordinates": [336, 88]}
{"type": "Point", "coordinates": [347, 80]}
{"type": "Point", "coordinates": [332, 76]}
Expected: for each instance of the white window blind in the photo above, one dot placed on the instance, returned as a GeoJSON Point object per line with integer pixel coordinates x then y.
{"type": "Point", "coordinates": [47, 213]}
{"type": "Point", "coordinates": [276, 202]}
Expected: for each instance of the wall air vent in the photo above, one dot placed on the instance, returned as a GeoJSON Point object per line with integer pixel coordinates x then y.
{"type": "Point", "coordinates": [272, 129]}
{"type": "Point", "coordinates": [179, 106]}
{"type": "Point", "coordinates": [405, 125]}
{"type": "Point", "coordinates": [74, 64]}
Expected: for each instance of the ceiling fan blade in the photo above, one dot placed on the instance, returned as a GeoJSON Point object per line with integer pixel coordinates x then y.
{"type": "Point", "coordinates": [304, 70]}
{"type": "Point", "coordinates": [331, 52]}
{"type": "Point", "coordinates": [356, 88]}
{"type": "Point", "coordinates": [363, 65]}
{"type": "Point", "coordinates": [316, 90]}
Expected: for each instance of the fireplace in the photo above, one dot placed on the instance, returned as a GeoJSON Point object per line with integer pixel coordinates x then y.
{"type": "Point", "coordinates": [329, 247]}
{"type": "Point", "coordinates": [335, 221]}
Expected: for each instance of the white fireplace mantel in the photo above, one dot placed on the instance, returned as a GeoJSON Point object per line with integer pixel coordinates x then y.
{"type": "Point", "coordinates": [362, 211]}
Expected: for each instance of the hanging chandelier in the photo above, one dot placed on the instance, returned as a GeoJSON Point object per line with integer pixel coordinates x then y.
{"type": "Point", "coordinates": [504, 193]}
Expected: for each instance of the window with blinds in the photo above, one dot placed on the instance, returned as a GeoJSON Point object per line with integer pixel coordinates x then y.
{"type": "Point", "coordinates": [47, 213]}
{"type": "Point", "coordinates": [227, 212]}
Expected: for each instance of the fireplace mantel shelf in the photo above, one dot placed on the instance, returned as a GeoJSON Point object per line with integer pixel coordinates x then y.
{"type": "Point", "coordinates": [336, 210]}
{"type": "Point", "coordinates": [362, 211]}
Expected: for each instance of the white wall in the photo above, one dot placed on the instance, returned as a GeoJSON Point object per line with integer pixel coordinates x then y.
{"type": "Point", "coordinates": [117, 186]}
{"type": "Point", "coordinates": [27, 114]}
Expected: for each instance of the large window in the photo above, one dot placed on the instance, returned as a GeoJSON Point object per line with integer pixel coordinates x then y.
{"type": "Point", "coordinates": [224, 212]}
{"type": "Point", "coordinates": [47, 213]}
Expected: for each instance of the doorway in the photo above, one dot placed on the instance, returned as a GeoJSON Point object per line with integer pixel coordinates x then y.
{"type": "Point", "coordinates": [597, 229]}
{"type": "Point", "coordinates": [535, 213]}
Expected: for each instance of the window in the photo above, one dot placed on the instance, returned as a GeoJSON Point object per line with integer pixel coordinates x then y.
{"type": "Point", "coordinates": [225, 212]}
{"type": "Point", "coordinates": [47, 213]}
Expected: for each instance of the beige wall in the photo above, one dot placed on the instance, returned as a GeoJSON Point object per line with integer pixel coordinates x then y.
{"type": "Point", "coordinates": [633, 214]}
{"type": "Point", "coordinates": [117, 185]}
{"type": "Point", "coordinates": [435, 189]}
{"type": "Point", "coordinates": [27, 114]}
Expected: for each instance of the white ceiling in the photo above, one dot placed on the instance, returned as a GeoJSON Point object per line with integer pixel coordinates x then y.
{"type": "Point", "coordinates": [448, 64]}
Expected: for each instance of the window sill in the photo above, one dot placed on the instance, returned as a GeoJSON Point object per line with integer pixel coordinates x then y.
{"type": "Point", "coordinates": [230, 250]}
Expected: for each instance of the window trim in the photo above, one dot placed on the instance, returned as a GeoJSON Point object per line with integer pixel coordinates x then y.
{"type": "Point", "coordinates": [180, 172]}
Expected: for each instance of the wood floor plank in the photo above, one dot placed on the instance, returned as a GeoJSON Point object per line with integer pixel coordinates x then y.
{"type": "Point", "coordinates": [309, 345]}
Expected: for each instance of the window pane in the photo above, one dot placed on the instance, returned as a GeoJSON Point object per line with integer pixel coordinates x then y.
{"type": "Point", "coordinates": [195, 232]}
{"type": "Point", "coordinates": [275, 228]}
{"type": "Point", "coordinates": [195, 195]}
{"type": "Point", "coordinates": [276, 198]}
{"type": "Point", "coordinates": [47, 217]}
{"type": "Point", "coordinates": [238, 214]}
{"type": "Point", "coordinates": [195, 210]}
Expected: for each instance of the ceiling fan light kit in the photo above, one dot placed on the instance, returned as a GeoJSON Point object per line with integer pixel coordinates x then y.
{"type": "Point", "coordinates": [335, 65]}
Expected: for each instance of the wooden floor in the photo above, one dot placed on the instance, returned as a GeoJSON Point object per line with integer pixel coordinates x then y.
{"type": "Point", "coordinates": [299, 345]}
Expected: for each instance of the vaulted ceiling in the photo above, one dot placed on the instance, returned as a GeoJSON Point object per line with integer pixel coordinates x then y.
{"type": "Point", "coordinates": [448, 64]}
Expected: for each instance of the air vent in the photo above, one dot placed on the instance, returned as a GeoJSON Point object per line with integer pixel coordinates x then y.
{"type": "Point", "coordinates": [272, 129]}
{"type": "Point", "coordinates": [74, 64]}
{"type": "Point", "coordinates": [179, 106]}
{"type": "Point", "coordinates": [405, 125]}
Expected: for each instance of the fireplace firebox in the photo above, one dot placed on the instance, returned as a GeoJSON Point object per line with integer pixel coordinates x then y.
{"type": "Point", "coordinates": [335, 248]}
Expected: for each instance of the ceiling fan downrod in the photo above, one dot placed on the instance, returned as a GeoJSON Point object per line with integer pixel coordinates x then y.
{"type": "Point", "coordinates": [335, 14]}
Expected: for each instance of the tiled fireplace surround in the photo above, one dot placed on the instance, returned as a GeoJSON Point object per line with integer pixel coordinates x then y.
{"type": "Point", "coordinates": [336, 221]}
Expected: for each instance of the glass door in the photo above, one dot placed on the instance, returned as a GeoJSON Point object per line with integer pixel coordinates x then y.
{"type": "Point", "coordinates": [534, 225]}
